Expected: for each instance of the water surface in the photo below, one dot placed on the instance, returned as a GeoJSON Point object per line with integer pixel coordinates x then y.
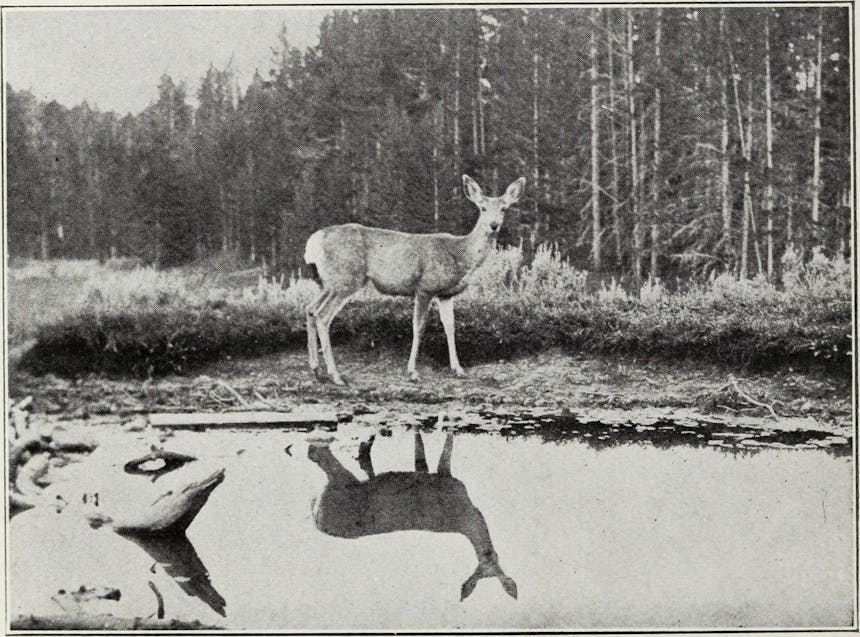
{"type": "Point", "coordinates": [625, 528]}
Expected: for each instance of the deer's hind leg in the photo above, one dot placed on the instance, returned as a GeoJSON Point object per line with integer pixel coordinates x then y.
{"type": "Point", "coordinates": [419, 321]}
{"type": "Point", "coordinates": [324, 316]}
{"type": "Point", "coordinates": [313, 339]}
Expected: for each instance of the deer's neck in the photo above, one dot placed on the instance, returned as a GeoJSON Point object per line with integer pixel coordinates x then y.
{"type": "Point", "coordinates": [474, 527]}
{"type": "Point", "coordinates": [476, 246]}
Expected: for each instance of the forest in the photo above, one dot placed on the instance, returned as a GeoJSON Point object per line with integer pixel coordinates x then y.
{"type": "Point", "coordinates": [656, 143]}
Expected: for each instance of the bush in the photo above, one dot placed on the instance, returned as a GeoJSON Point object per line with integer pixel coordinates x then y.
{"type": "Point", "coordinates": [146, 322]}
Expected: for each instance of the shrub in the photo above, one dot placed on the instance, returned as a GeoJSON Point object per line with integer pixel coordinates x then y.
{"type": "Point", "coordinates": [147, 322]}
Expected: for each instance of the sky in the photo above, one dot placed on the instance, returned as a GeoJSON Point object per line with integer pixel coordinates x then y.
{"type": "Point", "coordinates": [113, 58]}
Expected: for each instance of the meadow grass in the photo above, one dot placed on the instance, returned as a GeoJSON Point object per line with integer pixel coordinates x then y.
{"type": "Point", "coordinates": [145, 322]}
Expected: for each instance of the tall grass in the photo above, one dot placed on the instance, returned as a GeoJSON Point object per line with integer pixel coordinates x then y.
{"type": "Point", "coordinates": [147, 322]}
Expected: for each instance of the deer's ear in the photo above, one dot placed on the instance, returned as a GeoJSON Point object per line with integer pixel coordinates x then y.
{"type": "Point", "coordinates": [514, 191]}
{"type": "Point", "coordinates": [472, 190]}
{"type": "Point", "coordinates": [509, 585]}
{"type": "Point", "coordinates": [469, 585]}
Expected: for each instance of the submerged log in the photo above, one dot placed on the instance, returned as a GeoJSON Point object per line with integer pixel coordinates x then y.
{"type": "Point", "coordinates": [66, 622]}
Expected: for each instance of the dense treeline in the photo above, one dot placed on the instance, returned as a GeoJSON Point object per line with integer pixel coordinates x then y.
{"type": "Point", "coordinates": [654, 141]}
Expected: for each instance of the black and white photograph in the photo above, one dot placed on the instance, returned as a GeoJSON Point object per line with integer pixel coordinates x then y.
{"type": "Point", "coordinates": [427, 318]}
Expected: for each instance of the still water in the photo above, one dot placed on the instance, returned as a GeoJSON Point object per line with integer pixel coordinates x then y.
{"type": "Point", "coordinates": [625, 528]}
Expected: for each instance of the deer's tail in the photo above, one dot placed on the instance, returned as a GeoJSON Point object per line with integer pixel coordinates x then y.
{"type": "Point", "coordinates": [314, 248]}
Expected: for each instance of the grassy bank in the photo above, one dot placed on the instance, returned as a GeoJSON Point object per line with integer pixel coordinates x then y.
{"type": "Point", "coordinates": [153, 323]}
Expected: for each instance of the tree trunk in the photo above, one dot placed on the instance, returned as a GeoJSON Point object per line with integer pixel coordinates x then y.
{"type": "Point", "coordinates": [768, 193]}
{"type": "Point", "coordinates": [747, 192]}
{"type": "Point", "coordinates": [482, 142]}
{"type": "Point", "coordinates": [725, 178]}
{"type": "Point", "coordinates": [746, 151]}
{"type": "Point", "coordinates": [435, 163]}
{"type": "Point", "coordinates": [634, 155]}
{"type": "Point", "coordinates": [96, 192]}
{"type": "Point", "coordinates": [816, 148]}
{"type": "Point", "coordinates": [535, 125]}
{"type": "Point", "coordinates": [457, 106]}
{"type": "Point", "coordinates": [655, 178]}
{"type": "Point", "coordinates": [595, 151]}
{"type": "Point", "coordinates": [475, 148]}
{"type": "Point", "coordinates": [225, 216]}
{"type": "Point", "coordinates": [616, 209]}
{"type": "Point", "coordinates": [252, 208]}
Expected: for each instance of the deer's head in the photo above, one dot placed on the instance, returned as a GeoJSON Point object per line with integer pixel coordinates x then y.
{"type": "Point", "coordinates": [492, 209]}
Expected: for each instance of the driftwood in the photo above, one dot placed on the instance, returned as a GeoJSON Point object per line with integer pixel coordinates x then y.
{"type": "Point", "coordinates": [171, 512]}
{"type": "Point", "coordinates": [159, 613]}
{"type": "Point", "coordinates": [157, 463]}
{"type": "Point", "coordinates": [20, 453]}
{"type": "Point", "coordinates": [248, 418]}
{"type": "Point", "coordinates": [66, 622]}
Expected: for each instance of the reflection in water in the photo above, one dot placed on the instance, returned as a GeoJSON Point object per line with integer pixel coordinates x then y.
{"type": "Point", "coordinates": [402, 501]}
{"type": "Point", "coordinates": [177, 557]}
{"type": "Point", "coordinates": [661, 432]}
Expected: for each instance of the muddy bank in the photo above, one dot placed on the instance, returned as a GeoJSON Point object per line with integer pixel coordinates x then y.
{"type": "Point", "coordinates": [553, 381]}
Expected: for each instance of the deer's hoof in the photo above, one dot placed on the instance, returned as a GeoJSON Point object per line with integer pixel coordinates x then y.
{"type": "Point", "coordinates": [458, 372]}
{"type": "Point", "coordinates": [337, 380]}
{"type": "Point", "coordinates": [318, 374]}
{"type": "Point", "coordinates": [414, 377]}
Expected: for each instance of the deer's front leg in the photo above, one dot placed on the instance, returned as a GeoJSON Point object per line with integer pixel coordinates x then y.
{"type": "Point", "coordinates": [446, 314]}
{"type": "Point", "coordinates": [419, 320]}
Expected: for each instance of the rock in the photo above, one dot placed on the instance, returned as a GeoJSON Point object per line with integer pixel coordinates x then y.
{"type": "Point", "coordinates": [136, 424]}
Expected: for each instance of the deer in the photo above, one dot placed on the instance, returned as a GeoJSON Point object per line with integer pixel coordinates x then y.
{"type": "Point", "coordinates": [404, 501]}
{"type": "Point", "coordinates": [346, 258]}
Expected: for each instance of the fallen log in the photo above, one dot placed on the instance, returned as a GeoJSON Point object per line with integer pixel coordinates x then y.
{"type": "Point", "coordinates": [170, 513]}
{"type": "Point", "coordinates": [66, 622]}
{"type": "Point", "coordinates": [246, 418]}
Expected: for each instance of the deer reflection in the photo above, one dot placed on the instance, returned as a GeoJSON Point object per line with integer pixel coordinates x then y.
{"type": "Point", "coordinates": [403, 501]}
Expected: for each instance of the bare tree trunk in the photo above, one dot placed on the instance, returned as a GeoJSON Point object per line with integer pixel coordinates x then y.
{"type": "Point", "coordinates": [634, 167]}
{"type": "Point", "coordinates": [475, 148]}
{"type": "Point", "coordinates": [725, 177]}
{"type": "Point", "coordinates": [252, 208]}
{"type": "Point", "coordinates": [746, 151]}
{"type": "Point", "coordinates": [481, 122]}
{"type": "Point", "coordinates": [44, 244]}
{"type": "Point", "coordinates": [816, 148]}
{"type": "Point", "coordinates": [225, 216]}
{"type": "Point", "coordinates": [789, 222]}
{"type": "Point", "coordinates": [616, 209]}
{"type": "Point", "coordinates": [457, 106]}
{"type": "Point", "coordinates": [535, 230]}
{"type": "Point", "coordinates": [96, 190]}
{"type": "Point", "coordinates": [655, 178]}
{"type": "Point", "coordinates": [595, 150]}
{"type": "Point", "coordinates": [747, 192]}
{"type": "Point", "coordinates": [435, 162]}
{"type": "Point", "coordinates": [768, 193]}
{"type": "Point", "coordinates": [535, 123]}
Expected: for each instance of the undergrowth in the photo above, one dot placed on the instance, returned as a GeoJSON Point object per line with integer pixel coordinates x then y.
{"type": "Point", "coordinates": [144, 322]}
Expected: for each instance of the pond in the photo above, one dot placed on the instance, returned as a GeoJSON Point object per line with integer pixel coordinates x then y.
{"type": "Point", "coordinates": [534, 521]}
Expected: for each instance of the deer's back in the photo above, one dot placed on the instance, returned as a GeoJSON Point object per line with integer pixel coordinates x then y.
{"type": "Point", "coordinates": [399, 263]}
